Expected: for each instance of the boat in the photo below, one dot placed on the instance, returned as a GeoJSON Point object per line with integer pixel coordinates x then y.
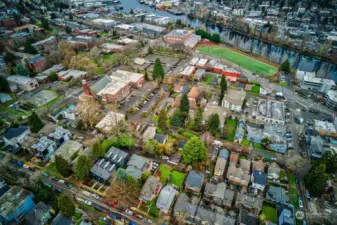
{"type": "Point", "coordinates": [141, 1]}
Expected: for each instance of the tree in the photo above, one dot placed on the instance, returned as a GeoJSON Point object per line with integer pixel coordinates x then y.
{"type": "Point", "coordinates": [198, 120]}
{"type": "Point", "coordinates": [144, 176]}
{"type": "Point", "coordinates": [162, 120]}
{"type": "Point", "coordinates": [158, 71]}
{"type": "Point", "coordinates": [21, 70]}
{"type": "Point", "coordinates": [194, 151]}
{"type": "Point", "coordinates": [4, 86]}
{"type": "Point", "coordinates": [285, 66]}
{"type": "Point", "coordinates": [45, 23]}
{"type": "Point", "coordinates": [131, 11]}
{"type": "Point", "coordinates": [53, 16]}
{"type": "Point", "coordinates": [178, 23]}
{"type": "Point", "coordinates": [35, 123]}
{"type": "Point", "coordinates": [80, 125]}
{"type": "Point", "coordinates": [184, 104]}
{"type": "Point", "coordinates": [54, 57]}
{"type": "Point", "coordinates": [67, 51]}
{"type": "Point", "coordinates": [149, 50]}
{"type": "Point", "coordinates": [62, 166]}
{"type": "Point", "coordinates": [215, 38]}
{"type": "Point", "coordinates": [53, 76]}
{"type": "Point", "coordinates": [80, 62]}
{"type": "Point", "coordinates": [82, 167]}
{"type": "Point", "coordinates": [94, 53]}
{"type": "Point", "coordinates": [71, 16]}
{"type": "Point", "coordinates": [66, 205]}
{"type": "Point", "coordinates": [9, 58]}
{"type": "Point", "coordinates": [97, 151]}
{"type": "Point", "coordinates": [223, 87]}
{"type": "Point", "coordinates": [176, 119]}
{"type": "Point", "coordinates": [213, 124]}
{"type": "Point", "coordinates": [330, 161]}
{"type": "Point", "coordinates": [265, 142]}
{"type": "Point", "coordinates": [150, 146]}
{"type": "Point", "coordinates": [142, 18]}
{"type": "Point", "coordinates": [68, 30]}
{"type": "Point", "coordinates": [315, 180]}
{"type": "Point", "coordinates": [42, 192]}
{"type": "Point", "coordinates": [121, 174]}
{"type": "Point", "coordinates": [146, 75]}
{"type": "Point", "coordinates": [171, 147]}
{"type": "Point", "coordinates": [203, 34]}
{"type": "Point", "coordinates": [29, 48]}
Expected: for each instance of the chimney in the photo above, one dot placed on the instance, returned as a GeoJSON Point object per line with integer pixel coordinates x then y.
{"type": "Point", "coordinates": [85, 87]}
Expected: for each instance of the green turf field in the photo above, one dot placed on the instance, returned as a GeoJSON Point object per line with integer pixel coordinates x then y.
{"type": "Point", "coordinates": [246, 62]}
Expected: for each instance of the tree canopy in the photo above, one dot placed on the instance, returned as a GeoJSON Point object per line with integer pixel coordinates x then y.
{"type": "Point", "coordinates": [198, 120]}
{"type": "Point", "coordinates": [35, 123]}
{"type": "Point", "coordinates": [151, 146]}
{"type": "Point", "coordinates": [184, 104]}
{"type": "Point", "coordinates": [62, 166]}
{"type": "Point", "coordinates": [4, 86]}
{"type": "Point", "coordinates": [176, 119]}
{"type": "Point", "coordinates": [330, 161]}
{"type": "Point", "coordinates": [194, 151]}
{"type": "Point", "coordinates": [158, 71]}
{"type": "Point", "coordinates": [82, 167]}
{"type": "Point", "coordinates": [21, 70]}
{"type": "Point", "coordinates": [223, 89]}
{"type": "Point", "coordinates": [66, 205]}
{"type": "Point", "coordinates": [285, 66]}
{"type": "Point", "coordinates": [213, 124]}
{"type": "Point", "coordinates": [9, 58]}
{"type": "Point", "coordinates": [97, 151]}
{"type": "Point", "coordinates": [162, 121]}
{"type": "Point", "coordinates": [53, 76]}
{"type": "Point", "coordinates": [315, 180]}
{"type": "Point", "coordinates": [29, 48]}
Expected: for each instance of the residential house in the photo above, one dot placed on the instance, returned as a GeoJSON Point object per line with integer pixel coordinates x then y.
{"type": "Point", "coordinates": [240, 131]}
{"type": "Point", "coordinates": [166, 198]}
{"type": "Point", "coordinates": [247, 218]}
{"type": "Point", "coordinates": [234, 99]}
{"type": "Point", "coordinates": [234, 158]}
{"type": "Point", "coordinates": [237, 176]}
{"type": "Point", "coordinates": [181, 145]}
{"type": "Point", "coordinates": [188, 72]}
{"type": "Point", "coordinates": [174, 159]}
{"type": "Point", "coordinates": [211, 216]}
{"type": "Point", "coordinates": [62, 220]}
{"type": "Point", "coordinates": [15, 204]}
{"type": "Point", "coordinates": [161, 138]}
{"type": "Point", "coordinates": [277, 195]}
{"type": "Point", "coordinates": [177, 88]}
{"type": "Point", "coordinates": [137, 165]}
{"type": "Point", "coordinates": [259, 180]}
{"type": "Point", "coordinates": [4, 187]}
{"type": "Point", "coordinates": [224, 153]}
{"type": "Point", "coordinates": [258, 165]}
{"type": "Point", "coordinates": [66, 75]}
{"type": "Point", "coordinates": [23, 83]}
{"type": "Point", "coordinates": [60, 135]}
{"type": "Point", "coordinates": [149, 133]}
{"type": "Point", "coordinates": [286, 216]}
{"type": "Point", "coordinates": [274, 171]}
{"type": "Point", "coordinates": [185, 206]}
{"type": "Point", "coordinates": [220, 167]}
{"type": "Point", "coordinates": [199, 74]}
{"type": "Point", "coordinates": [228, 198]}
{"type": "Point", "coordinates": [150, 189]}
{"type": "Point", "coordinates": [245, 165]}
{"type": "Point", "coordinates": [67, 150]}
{"type": "Point", "coordinates": [110, 122]}
{"type": "Point", "coordinates": [210, 188]}
{"type": "Point", "coordinates": [194, 181]}
{"type": "Point", "coordinates": [250, 202]}
{"type": "Point", "coordinates": [219, 194]}
{"type": "Point", "coordinates": [44, 148]}
{"type": "Point", "coordinates": [39, 215]}
{"type": "Point", "coordinates": [103, 169]}
{"type": "Point", "coordinates": [46, 45]}
{"type": "Point", "coordinates": [109, 48]}
{"type": "Point", "coordinates": [37, 63]}
{"type": "Point", "coordinates": [16, 136]}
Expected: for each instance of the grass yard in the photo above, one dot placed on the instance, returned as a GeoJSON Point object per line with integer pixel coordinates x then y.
{"type": "Point", "coordinates": [231, 126]}
{"type": "Point", "coordinates": [256, 89]}
{"type": "Point", "coordinates": [291, 178]}
{"type": "Point", "coordinates": [13, 112]}
{"type": "Point", "coordinates": [243, 60]}
{"type": "Point", "coordinates": [282, 174]}
{"type": "Point", "coordinates": [154, 119]}
{"type": "Point", "coordinates": [165, 172]}
{"type": "Point", "coordinates": [268, 213]}
{"type": "Point", "coordinates": [245, 142]}
{"type": "Point", "coordinates": [293, 196]}
{"type": "Point", "coordinates": [110, 59]}
{"type": "Point", "coordinates": [177, 178]}
{"type": "Point", "coordinates": [258, 146]}
{"type": "Point", "coordinates": [51, 169]}
{"type": "Point", "coordinates": [99, 71]}
{"type": "Point", "coordinates": [209, 78]}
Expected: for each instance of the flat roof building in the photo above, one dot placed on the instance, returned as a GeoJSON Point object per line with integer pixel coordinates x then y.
{"type": "Point", "coordinates": [177, 36]}
{"type": "Point", "coordinates": [330, 99]}
{"type": "Point", "coordinates": [67, 150]}
{"type": "Point", "coordinates": [310, 82]}
{"type": "Point", "coordinates": [110, 121]}
{"type": "Point", "coordinates": [325, 128]}
{"type": "Point", "coordinates": [234, 99]}
{"type": "Point", "coordinates": [105, 22]}
{"type": "Point", "coordinates": [270, 111]}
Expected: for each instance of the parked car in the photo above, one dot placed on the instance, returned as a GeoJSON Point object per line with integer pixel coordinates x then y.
{"type": "Point", "coordinates": [149, 221]}
{"type": "Point", "coordinates": [45, 174]}
{"type": "Point", "coordinates": [89, 203]}
{"type": "Point", "coordinates": [114, 216]}
{"type": "Point", "coordinates": [2, 156]}
{"type": "Point", "coordinates": [25, 166]}
{"type": "Point", "coordinates": [32, 169]}
{"type": "Point", "coordinates": [69, 184]}
{"type": "Point", "coordinates": [54, 178]}
{"type": "Point", "coordinates": [61, 181]}
{"type": "Point", "coordinates": [132, 223]}
{"type": "Point", "coordinates": [98, 208]}
{"type": "Point", "coordinates": [49, 185]}
{"type": "Point", "coordinates": [300, 202]}
{"type": "Point", "coordinates": [95, 196]}
{"type": "Point", "coordinates": [129, 212]}
{"type": "Point", "coordinates": [112, 204]}
{"type": "Point", "coordinates": [307, 195]}
{"type": "Point", "coordinates": [59, 190]}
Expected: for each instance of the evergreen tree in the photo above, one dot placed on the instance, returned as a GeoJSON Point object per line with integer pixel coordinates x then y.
{"type": "Point", "coordinates": [66, 205]}
{"type": "Point", "coordinates": [315, 180]}
{"type": "Point", "coordinates": [215, 38]}
{"type": "Point", "coordinates": [53, 76]}
{"type": "Point", "coordinates": [45, 23]}
{"type": "Point", "coordinates": [184, 104]}
{"type": "Point", "coordinates": [80, 125]}
{"type": "Point", "coordinates": [146, 76]}
{"type": "Point", "coordinates": [28, 48]}
{"type": "Point", "coordinates": [35, 123]}
{"type": "Point", "coordinates": [162, 121]}
{"type": "Point", "coordinates": [62, 166]}
{"type": "Point", "coordinates": [151, 146]}
{"type": "Point", "coordinates": [223, 86]}
{"type": "Point", "coordinates": [194, 151]}
{"type": "Point", "coordinates": [176, 119]}
{"type": "Point", "coordinates": [285, 66]}
{"type": "Point", "coordinates": [9, 58]}
{"type": "Point", "coordinates": [97, 151]}
{"type": "Point", "coordinates": [198, 120]}
{"type": "Point", "coordinates": [82, 167]}
{"type": "Point", "coordinates": [21, 70]}
{"type": "Point", "coordinates": [213, 124]}
{"type": "Point", "coordinates": [4, 86]}
{"type": "Point", "coordinates": [149, 50]}
{"type": "Point", "coordinates": [158, 71]}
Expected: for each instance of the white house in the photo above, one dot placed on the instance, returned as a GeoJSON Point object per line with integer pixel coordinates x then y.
{"type": "Point", "coordinates": [44, 148]}
{"type": "Point", "coordinates": [166, 198]}
{"type": "Point", "coordinates": [274, 171]}
{"type": "Point", "coordinates": [234, 99]}
{"type": "Point", "coordinates": [23, 83]}
{"type": "Point", "coordinates": [16, 136]}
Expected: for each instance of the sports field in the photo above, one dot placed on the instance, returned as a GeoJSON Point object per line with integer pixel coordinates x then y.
{"type": "Point", "coordinates": [242, 60]}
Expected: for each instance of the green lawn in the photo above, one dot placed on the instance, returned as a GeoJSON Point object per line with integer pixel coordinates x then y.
{"type": "Point", "coordinates": [282, 174]}
{"type": "Point", "coordinates": [291, 178]}
{"type": "Point", "coordinates": [231, 126]}
{"type": "Point", "coordinates": [245, 142]}
{"type": "Point", "coordinates": [110, 59]}
{"type": "Point", "coordinates": [99, 71]}
{"type": "Point", "coordinates": [209, 78]}
{"type": "Point", "coordinates": [177, 178]}
{"type": "Point", "coordinates": [293, 196]}
{"type": "Point", "coordinates": [256, 89]}
{"type": "Point", "coordinates": [258, 146]}
{"type": "Point", "coordinates": [154, 118]}
{"type": "Point", "coordinates": [12, 112]}
{"type": "Point", "coordinates": [51, 170]}
{"type": "Point", "coordinates": [268, 213]}
{"type": "Point", "coordinates": [165, 172]}
{"type": "Point", "coordinates": [245, 61]}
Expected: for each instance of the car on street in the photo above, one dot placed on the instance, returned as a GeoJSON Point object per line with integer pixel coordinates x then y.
{"type": "Point", "coordinates": [99, 208]}
{"type": "Point", "coordinates": [32, 169]}
{"type": "Point", "coordinates": [114, 216]}
{"type": "Point", "coordinates": [307, 195]}
{"type": "Point", "coordinates": [149, 221]}
{"type": "Point", "coordinates": [89, 203]}
{"type": "Point", "coordinates": [314, 111]}
{"type": "Point", "coordinates": [61, 181]}
{"type": "Point", "coordinates": [49, 185]}
{"type": "Point", "coordinates": [132, 223]}
{"type": "Point", "coordinates": [25, 166]}
{"type": "Point", "coordinates": [300, 202]}
{"type": "Point", "coordinates": [129, 212]}
{"type": "Point", "coordinates": [45, 174]}
{"type": "Point", "coordinates": [69, 184]}
{"type": "Point", "coordinates": [95, 196]}
{"type": "Point", "coordinates": [59, 190]}
{"type": "Point", "coordinates": [54, 178]}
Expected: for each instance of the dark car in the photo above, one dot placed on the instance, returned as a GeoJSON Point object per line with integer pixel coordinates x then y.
{"type": "Point", "coordinates": [98, 208]}
{"type": "Point", "coordinates": [32, 169]}
{"type": "Point", "coordinates": [54, 178]}
{"type": "Point", "coordinates": [315, 111]}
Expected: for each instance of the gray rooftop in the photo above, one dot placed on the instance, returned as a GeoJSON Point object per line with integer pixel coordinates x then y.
{"type": "Point", "coordinates": [35, 216]}
{"type": "Point", "coordinates": [224, 153]}
{"type": "Point", "coordinates": [178, 33]}
{"type": "Point", "coordinates": [270, 109]}
{"type": "Point", "coordinates": [195, 179]}
{"type": "Point", "coordinates": [166, 197]}
{"type": "Point", "coordinates": [136, 165]}
{"type": "Point", "coordinates": [99, 85]}
{"type": "Point", "coordinates": [259, 177]}
{"type": "Point", "coordinates": [277, 194]}
{"type": "Point", "coordinates": [186, 205]}
{"type": "Point", "coordinates": [12, 199]}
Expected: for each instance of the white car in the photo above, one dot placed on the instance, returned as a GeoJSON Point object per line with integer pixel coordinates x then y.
{"type": "Point", "coordinates": [25, 166]}
{"type": "Point", "coordinates": [149, 221]}
{"type": "Point", "coordinates": [129, 212]}
{"type": "Point", "coordinates": [61, 181]}
{"type": "Point", "coordinates": [89, 203]}
{"type": "Point", "coordinates": [95, 196]}
{"type": "Point", "coordinates": [300, 202]}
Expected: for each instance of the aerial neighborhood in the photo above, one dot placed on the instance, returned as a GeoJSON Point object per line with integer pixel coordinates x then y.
{"type": "Point", "coordinates": [168, 112]}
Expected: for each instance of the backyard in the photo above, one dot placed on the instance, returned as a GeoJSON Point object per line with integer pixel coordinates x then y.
{"type": "Point", "coordinates": [243, 60]}
{"type": "Point", "coordinates": [268, 213]}
{"type": "Point", "coordinates": [165, 172]}
{"type": "Point", "coordinates": [177, 178]}
{"type": "Point", "coordinates": [231, 126]}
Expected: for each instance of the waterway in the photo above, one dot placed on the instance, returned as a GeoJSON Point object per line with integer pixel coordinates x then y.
{"type": "Point", "coordinates": [272, 52]}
